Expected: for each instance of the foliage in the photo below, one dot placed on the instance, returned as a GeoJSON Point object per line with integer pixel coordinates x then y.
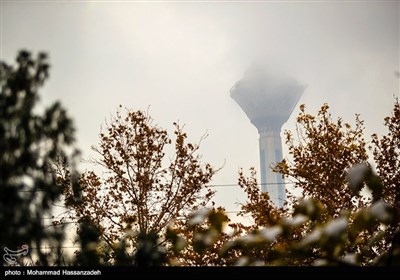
{"type": "Point", "coordinates": [331, 242]}
{"type": "Point", "coordinates": [317, 230]}
{"type": "Point", "coordinates": [146, 210]}
{"type": "Point", "coordinates": [322, 153]}
{"type": "Point", "coordinates": [29, 143]}
{"type": "Point", "coordinates": [259, 206]}
{"type": "Point", "coordinates": [386, 152]}
{"type": "Point", "coordinates": [198, 240]}
{"type": "Point", "coordinates": [328, 164]}
{"type": "Point", "coordinates": [88, 239]}
{"type": "Point", "coordinates": [140, 192]}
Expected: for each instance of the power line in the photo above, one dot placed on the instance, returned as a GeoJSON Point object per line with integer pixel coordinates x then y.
{"type": "Point", "coordinates": [76, 222]}
{"type": "Point", "coordinates": [258, 184]}
{"type": "Point", "coordinates": [53, 247]}
{"type": "Point", "coordinates": [211, 186]}
{"type": "Point", "coordinates": [113, 216]}
{"type": "Point", "coordinates": [60, 224]}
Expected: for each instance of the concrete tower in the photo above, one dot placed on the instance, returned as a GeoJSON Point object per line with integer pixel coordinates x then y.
{"type": "Point", "coordinates": [268, 98]}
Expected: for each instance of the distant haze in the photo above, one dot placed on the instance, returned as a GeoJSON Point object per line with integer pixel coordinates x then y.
{"type": "Point", "coordinates": [182, 59]}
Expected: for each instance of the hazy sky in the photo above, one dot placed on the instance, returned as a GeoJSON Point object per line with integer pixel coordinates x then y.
{"type": "Point", "coordinates": [182, 58]}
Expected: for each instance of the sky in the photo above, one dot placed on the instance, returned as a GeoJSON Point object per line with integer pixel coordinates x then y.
{"type": "Point", "coordinates": [179, 60]}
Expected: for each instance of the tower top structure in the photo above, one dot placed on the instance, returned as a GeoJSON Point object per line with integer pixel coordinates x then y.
{"type": "Point", "coordinates": [267, 97]}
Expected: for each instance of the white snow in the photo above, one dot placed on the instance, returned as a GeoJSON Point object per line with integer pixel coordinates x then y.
{"type": "Point", "coordinates": [199, 217]}
{"type": "Point", "coordinates": [311, 238]}
{"type": "Point", "coordinates": [350, 258]}
{"type": "Point", "coordinates": [379, 210]}
{"type": "Point", "coordinates": [242, 261]}
{"type": "Point", "coordinates": [356, 175]}
{"type": "Point", "coordinates": [270, 234]}
{"type": "Point", "coordinates": [297, 220]}
{"type": "Point", "coordinates": [335, 228]}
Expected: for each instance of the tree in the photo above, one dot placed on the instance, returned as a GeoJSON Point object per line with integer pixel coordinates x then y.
{"type": "Point", "coordinates": [323, 241]}
{"type": "Point", "coordinates": [322, 152]}
{"type": "Point", "coordinates": [198, 240]}
{"type": "Point", "coordinates": [140, 192]}
{"type": "Point", "coordinates": [300, 234]}
{"type": "Point", "coordinates": [30, 143]}
{"type": "Point", "coordinates": [264, 213]}
{"type": "Point", "coordinates": [386, 152]}
{"type": "Point", "coordinates": [258, 205]}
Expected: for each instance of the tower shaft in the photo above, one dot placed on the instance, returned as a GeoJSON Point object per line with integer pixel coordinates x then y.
{"type": "Point", "coordinates": [270, 146]}
{"type": "Point", "coordinates": [268, 97]}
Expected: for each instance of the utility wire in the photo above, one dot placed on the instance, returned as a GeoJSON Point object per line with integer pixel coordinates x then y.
{"type": "Point", "coordinates": [211, 186]}
{"type": "Point", "coordinates": [52, 247]}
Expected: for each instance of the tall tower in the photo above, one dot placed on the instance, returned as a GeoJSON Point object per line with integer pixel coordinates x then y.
{"type": "Point", "coordinates": [268, 98]}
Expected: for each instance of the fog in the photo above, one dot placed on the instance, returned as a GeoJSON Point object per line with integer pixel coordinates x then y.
{"type": "Point", "coordinates": [180, 60]}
